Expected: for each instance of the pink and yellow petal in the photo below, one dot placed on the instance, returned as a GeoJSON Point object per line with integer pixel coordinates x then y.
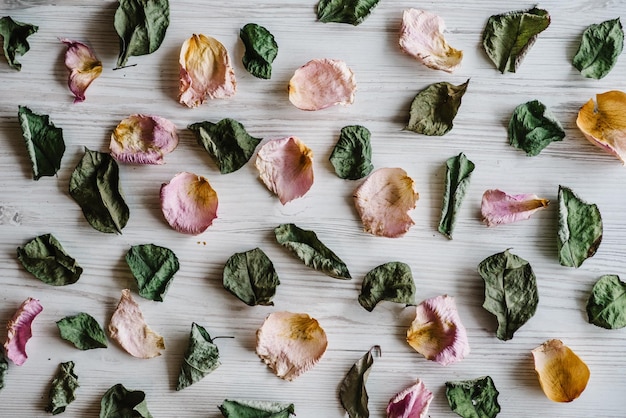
{"type": "Point", "coordinates": [413, 402]}
{"type": "Point", "coordinates": [84, 67]}
{"type": "Point", "coordinates": [322, 83]}
{"type": "Point", "coordinates": [142, 139]}
{"type": "Point", "coordinates": [498, 208]}
{"type": "Point", "coordinates": [19, 330]}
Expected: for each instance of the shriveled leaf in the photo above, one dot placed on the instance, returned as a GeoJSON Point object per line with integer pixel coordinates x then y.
{"type": "Point", "coordinates": [83, 331]}
{"type": "Point", "coordinates": [352, 391]}
{"type": "Point", "coordinates": [352, 12]}
{"type": "Point", "coordinates": [477, 398]}
{"type": "Point", "coordinates": [352, 155]}
{"type": "Point", "coordinates": [392, 282]}
{"type": "Point", "coordinates": [600, 46]}
{"type": "Point", "coordinates": [19, 330]}
{"type": "Point", "coordinates": [499, 208]}
{"type": "Point", "coordinates": [201, 358]}
{"type": "Point", "coordinates": [4, 368]}
{"type": "Point", "coordinates": [45, 258]}
{"type": "Point", "coordinates": [413, 402]}
{"type": "Point", "coordinates": [44, 142]}
{"type": "Point", "coordinates": [119, 402]}
{"type": "Point", "coordinates": [322, 83]}
{"type": "Point", "coordinates": [143, 139]}
{"type": "Point", "coordinates": [154, 268]}
{"type": "Point", "coordinates": [14, 36]}
{"type": "Point", "coordinates": [533, 127]}
{"type": "Point", "coordinates": [458, 172]}
{"type": "Point", "coordinates": [256, 409]}
{"type": "Point", "coordinates": [251, 277]}
{"type": "Point", "coordinates": [84, 67]}
{"type": "Point", "coordinates": [62, 391]}
{"type": "Point", "coordinates": [433, 109]}
{"type": "Point", "coordinates": [261, 50]}
{"type": "Point", "coordinates": [606, 306]}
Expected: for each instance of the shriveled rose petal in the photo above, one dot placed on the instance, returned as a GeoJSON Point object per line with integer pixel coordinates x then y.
{"type": "Point", "coordinates": [205, 71]}
{"type": "Point", "coordinates": [142, 139]}
{"type": "Point", "coordinates": [290, 343]}
{"type": "Point", "coordinates": [130, 330]}
{"type": "Point", "coordinates": [604, 123]}
{"type": "Point", "coordinates": [19, 330]}
{"type": "Point", "coordinates": [412, 402]}
{"type": "Point", "coordinates": [321, 83]}
{"type": "Point", "coordinates": [384, 200]}
{"type": "Point", "coordinates": [499, 208]}
{"type": "Point", "coordinates": [437, 332]}
{"type": "Point", "coordinates": [421, 36]}
{"type": "Point", "coordinates": [286, 167]}
{"type": "Point", "coordinates": [563, 376]}
{"type": "Point", "coordinates": [84, 67]}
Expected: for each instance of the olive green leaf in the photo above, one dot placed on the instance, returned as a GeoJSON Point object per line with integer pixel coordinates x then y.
{"type": "Point", "coordinates": [599, 49]}
{"type": "Point", "coordinates": [580, 229]}
{"type": "Point", "coordinates": [390, 281]}
{"type": "Point", "coordinates": [458, 172]}
{"type": "Point", "coordinates": [510, 291]}
{"type": "Point", "coordinates": [153, 267]}
{"type": "Point", "coordinates": [201, 357]}
{"type": "Point", "coordinates": [606, 306]}
{"type": "Point", "coordinates": [83, 331]}
{"type": "Point", "coordinates": [353, 12]}
{"type": "Point", "coordinates": [227, 142]}
{"type": "Point", "coordinates": [352, 392]}
{"type": "Point", "coordinates": [119, 402]}
{"type": "Point", "coordinates": [256, 409]}
{"type": "Point", "coordinates": [44, 142]}
{"type": "Point", "coordinates": [261, 50]}
{"type": "Point", "coordinates": [251, 277]}
{"type": "Point", "coordinates": [95, 186]}
{"type": "Point", "coordinates": [313, 253]}
{"type": "Point", "coordinates": [14, 36]}
{"type": "Point", "coordinates": [433, 110]}
{"type": "Point", "coordinates": [45, 258]}
{"type": "Point", "coordinates": [533, 127]}
{"type": "Point", "coordinates": [63, 388]}
{"type": "Point", "coordinates": [4, 368]}
{"type": "Point", "coordinates": [476, 398]}
{"type": "Point", "coordinates": [508, 37]}
{"type": "Point", "coordinates": [352, 155]}
{"type": "Point", "coordinates": [141, 26]}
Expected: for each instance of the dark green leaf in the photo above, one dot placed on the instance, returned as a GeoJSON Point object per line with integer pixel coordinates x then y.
{"type": "Point", "coordinates": [153, 267]}
{"type": "Point", "coordinates": [390, 281]}
{"type": "Point", "coordinates": [352, 392]}
{"type": "Point", "coordinates": [261, 50]}
{"type": "Point", "coordinates": [256, 409]}
{"type": "Point", "coordinates": [95, 186]}
{"type": "Point", "coordinates": [119, 402]}
{"type": "Point", "coordinates": [580, 229]}
{"type": "Point", "coordinates": [44, 142]}
{"type": "Point", "coordinates": [352, 155]}
{"type": "Point", "coordinates": [508, 37]}
{"type": "Point", "coordinates": [45, 258]}
{"type": "Point", "coordinates": [313, 253]}
{"type": "Point", "coordinates": [251, 277]}
{"type": "Point", "coordinates": [533, 127]}
{"type": "Point", "coordinates": [201, 357]}
{"type": "Point", "coordinates": [433, 110]}
{"type": "Point", "coordinates": [14, 36]}
{"type": "Point", "coordinates": [606, 306]}
{"type": "Point", "coordinates": [599, 49]}
{"type": "Point", "coordinates": [4, 368]}
{"type": "Point", "coordinates": [83, 331]}
{"type": "Point", "coordinates": [353, 12]}
{"type": "Point", "coordinates": [510, 291]}
{"type": "Point", "coordinates": [458, 172]}
{"type": "Point", "coordinates": [63, 387]}
{"type": "Point", "coordinates": [141, 26]}
{"type": "Point", "coordinates": [476, 398]}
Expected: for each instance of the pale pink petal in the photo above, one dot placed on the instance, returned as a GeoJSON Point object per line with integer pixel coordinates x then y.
{"type": "Point", "coordinates": [384, 200]}
{"type": "Point", "coordinates": [286, 167]}
{"type": "Point", "coordinates": [84, 67]}
{"type": "Point", "coordinates": [437, 332]}
{"type": "Point", "coordinates": [129, 329]}
{"type": "Point", "coordinates": [189, 203]}
{"type": "Point", "coordinates": [19, 330]}
{"type": "Point", "coordinates": [421, 36]}
{"type": "Point", "coordinates": [413, 402]}
{"type": "Point", "coordinates": [142, 139]}
{"type": "Point", "coordinates": [290, 343]}
{"type": "Point", "coordinates": [205, 71]}
{"type": "Point", "coordinates": [321, 83]}
{"type": "Point", "coordinates": [499, 208]}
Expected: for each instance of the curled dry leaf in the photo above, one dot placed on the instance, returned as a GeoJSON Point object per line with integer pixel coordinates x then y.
{"type": "Point", "coordinates": [412, 402]}
{"type": "Point", "coordinates": [476, 398]}
{"type": "Point", "coordinates": [142, 139]}
{"type": "Point", "coordinates": [321, 83]}
{"type": "Point", "coordinates": [352, 391]}
{"type": "Point", "coordinates": [384, 200]}
{"type": "Point", "coordinates": [84, 67]}
{"type": "Point", "coordinates": [14, 36]}
{"type": "Point", "coordinates": [19, 330]}
{"type": "Point", "coordinates": [499, 208]}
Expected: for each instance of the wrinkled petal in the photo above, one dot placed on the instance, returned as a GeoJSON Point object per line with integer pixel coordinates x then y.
{"type": "Point", "coordinates": [205, 71]}
{"type": "Point", "coordinates": [130, 330]}
{"type": "Point", "coordinates": [286, 167]}
{"type": "Point", "coordinates": [384, 200]}
{"type": "Point", "coordinates": [142, 139]}
{"type": "Point", "coordinates": [321, 83]}
{"type": "Point", "coordinates": [562, 374]}
{"type": "Point", "coordinates": [437, 332]}
{"type": "Point", "coordinates": [290, 343]}
{"type": "Point", "coordinates": [189, 203]}
{"type": "Point", "coordinates": [499, 208]}
{"type": "Point", "coordinates": [421, 36]}
{"type": "Point", "coordinates": [604, 123]}
{"type": "Point", "coordinates": [84, 67]}
{"type": "Point", "coordinates": [412, 402]}
{"type": "Point", "coordinates": [19, 330]}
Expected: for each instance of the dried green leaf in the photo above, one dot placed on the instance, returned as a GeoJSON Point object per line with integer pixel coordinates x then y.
{"type": "Point", "coordinates": [119, 402]}
{"type": "Point", "coordinates": [201, 357]}
{"type": "Point", "coordinates": [251, 277]}
{"type": "Point", "coordinates": [256, 409]}
{"type": "Point", "coordinates": [95, 186]}
{"type": "Point", "coordinates": [4, 368]}
{"type": "Point", "coordinates": [433, 110]}
{"type": "Point", "coordinates": [606, 306]}
{"type": "Point", "coordinates": [533, 127]}
{"type": "Point", "coordinates": [352, 392]}
{"type": "Point", "coordinates": [510, 291]}
{"type": "Point", "coordinates": [227, 142]}
{"type": "Point", "coordinates": [153, 267]}
{"type": "Point", "coordinates": [352, 155]}
{"type": "Point", "coordinates": [353, 12]}
{"type": "Point", "coordinates": [458, 172]}
{"type": "Point", "coordinates": [390, 281]}
{"type": "Point", "coordinates": [45, 258]}
{"type": "Point", "coordinates": [44, 142]}
{"type": "Point", "coordinates": [261, 50]}
{"type": "Point", "coordinates": [313, 253]}
{"type": "Point", "coordinates": [14, 36]}
{"type": "Point", "coordinates": [507, 37]}
{"type": "Point", "coordinates": [476, 398]}
{"type": "Point", "coordinates": [83, 331]}
{"type": "Point", "coordinates": [63, 388]}
{"type": "Point", "coordinates": [580, 229]}
{"type": "Point", "coordinates": [599, 49]}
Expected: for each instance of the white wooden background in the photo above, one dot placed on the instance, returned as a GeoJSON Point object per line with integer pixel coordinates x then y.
{"type": "Point", "coordinates": [387, 82]}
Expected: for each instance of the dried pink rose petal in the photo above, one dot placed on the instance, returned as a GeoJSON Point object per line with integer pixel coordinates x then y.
{"type": "Point", "coordinates": [286, 167]}
{"type": "Point", "coordinates": [19, 330]}
{"type": "Point", "coordinates": [205, 71]}
{"type": "Point", "coordinates": [84, 67]}
{"type": "Point", "coordinates": [290, 343]}
{"type": "Point", "coordinates": [189, 203]}
{"type": "Point", "coordinates": [142, 139]}
{"type": "Point", "coordinates": [384, 200]}
{"type": "Point", "coordinates": [437, 332]}
{"type": "Point", "coordinates": [499, 208]}
{"type": "Point", "coordinates": [130, 330]}
{"type": "Point", "coordinates": [321, 83]}
{"type": "Point", "coordinates": [412, 402]}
